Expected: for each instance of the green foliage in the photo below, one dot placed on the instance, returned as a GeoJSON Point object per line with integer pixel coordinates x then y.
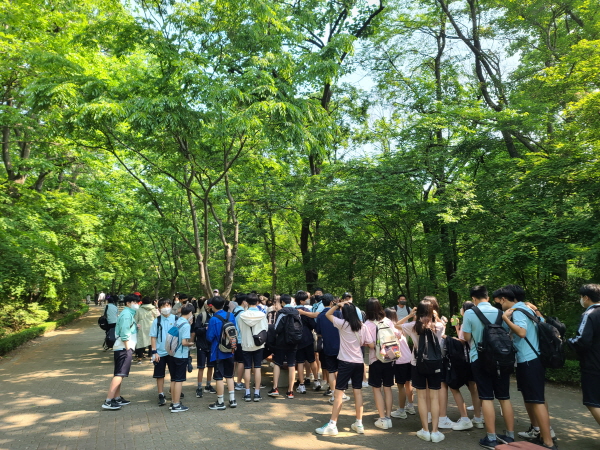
{"type": "Point", "coordinates": [569, 374]}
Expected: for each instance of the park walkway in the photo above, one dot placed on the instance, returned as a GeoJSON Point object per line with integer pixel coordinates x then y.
{"type": "Point", "coordinates": [52, 390]}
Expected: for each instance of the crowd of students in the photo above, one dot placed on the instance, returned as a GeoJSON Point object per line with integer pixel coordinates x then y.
{"type": "Point", "coordinates": [329, 342]}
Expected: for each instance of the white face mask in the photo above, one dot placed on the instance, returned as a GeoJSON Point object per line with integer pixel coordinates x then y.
{"type": "Point", "coordinates": [165, 311]}
{"type": "Point", "coordinates": [581, 302]}
{"type": "Point", "coordinates": [135, 306]}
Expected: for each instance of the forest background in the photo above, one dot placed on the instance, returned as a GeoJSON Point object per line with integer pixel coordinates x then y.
{"type": "Point", "coordinates": [378, 147]}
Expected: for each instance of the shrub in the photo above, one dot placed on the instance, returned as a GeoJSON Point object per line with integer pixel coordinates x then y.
{"type": "Point", "coordinates": [569, 374]}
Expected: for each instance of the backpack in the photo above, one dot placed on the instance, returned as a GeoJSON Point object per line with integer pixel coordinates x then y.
{"type": "Point", "coordinates": [103, 320]}
{"type": "Point", "coordinates": [551, 352]}
{"type": "Point", "coordinates": [229, 336]}
{"type": "Point", "coordinates": [456, 363]}
{"type": "Point", "coordinates": [290, 326]}
{"type": "Point", "coordinates": [429, 354]}
{"type": "Point", "coordinates": [496, 350]}
{"type": "Point", "coordinates": [173, 341]}
{"type": "Point", "coordinates": [387, 347]}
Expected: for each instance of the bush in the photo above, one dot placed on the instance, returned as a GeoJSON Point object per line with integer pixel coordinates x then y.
{"type": "Point", "coordinates": [16, 317]}
{"type": "Point", "coordinates": [14, 340]}
{"type": "Point", "coordinates": [569, 374]}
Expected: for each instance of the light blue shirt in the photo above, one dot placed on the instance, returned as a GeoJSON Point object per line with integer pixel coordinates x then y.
{"type": "Point", "coordinates": [472, 324]}
{"type": "Point", "coordinates": [111, 313]}
{"type": "Point", "coordinates": [184, 333]}
{"type": "Point", "coordinates": [524, 351]}
{"type": "Point", "coordinates": [166, 323]}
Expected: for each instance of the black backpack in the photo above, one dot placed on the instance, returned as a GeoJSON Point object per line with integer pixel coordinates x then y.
{"type": "Point", "coordinates": [103, 321]}
{"type": "Point", "coordinates": [456, 363]}
{"type": "Point", "coordinates": [496, 350]}
{"type": "Point", "coordinates": [429, 354]}
{"type": "Point", "coordinates": [291, 329]}
{"type": "Point", "coordinates": [551, 352]}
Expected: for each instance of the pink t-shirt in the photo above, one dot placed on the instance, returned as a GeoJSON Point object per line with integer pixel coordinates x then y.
{"type": "Point", "coordinates": [349, 344]}
{"type": "Point", "coordinates": [409, 329]}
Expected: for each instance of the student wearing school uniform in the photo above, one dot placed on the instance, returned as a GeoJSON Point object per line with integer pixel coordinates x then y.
{"type": "Point", "coordinates": [203, 349]}
{"type": "Point", "coordinates": [488, 387]}
{"type": "Point", "coordinates": [305, 354]}
{"type": "Point", "coordinates": [179, 360]}
{"type": "Point", "coordinates": [531, 374]}
{"type": "Point", "coordinates": [158, 337]}
{"type": "Point", "coordinates": [587, 344]}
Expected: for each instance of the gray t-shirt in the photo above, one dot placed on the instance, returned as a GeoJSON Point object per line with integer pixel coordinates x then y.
{"type": "Point", "coordinates": [402, 311]}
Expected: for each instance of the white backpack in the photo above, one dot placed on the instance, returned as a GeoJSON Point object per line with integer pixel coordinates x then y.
{"type": "Point", "coordinates": [387, 347]}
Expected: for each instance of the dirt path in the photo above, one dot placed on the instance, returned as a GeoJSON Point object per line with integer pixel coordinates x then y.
{"type": "Point", "coordinates": [52, 390]}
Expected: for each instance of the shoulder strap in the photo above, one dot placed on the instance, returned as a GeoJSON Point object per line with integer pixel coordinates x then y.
{"type": "Point", "coordinates": [220, 318]}
{"type": "Point", "coordinates": [105, 309]}
{"type": "Point", "coordinates": [535, 320]}
{"type": "Point", "coordinates": [481, 316]}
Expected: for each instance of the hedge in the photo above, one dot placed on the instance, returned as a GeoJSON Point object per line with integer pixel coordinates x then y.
{"type": "Point", "coordinates": [569, 374]}
{"type": "Point", "coordinates": [13, 341]}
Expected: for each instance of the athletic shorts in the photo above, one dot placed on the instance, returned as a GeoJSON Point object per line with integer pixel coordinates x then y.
{"type": "Point", "coordinates": [281, 356]}
{"type": "Point", "coordinates": [203, 358]}
{"type": "Point", "coordinates": [123, 360]}
{"type": "Point", "coordinates": [348, 371]}
{"type": "Point", "coordinates": [223, 369]}
{"type": "Point", "coordinates": [402, 372]}
{"type": "Point", "coordinates": [238, 355]}
{"type": "Point", "coordinates": [253, 359]}
{"type": "Point", "coordinates": [381, 373]}
{"type": "Point", "coordinates": [590, 389]}
{"type": "Point", "coordinates": [531, 378]}
{"type": "Point", "coordinates": [490, 386]}
{"type": "Point", "coordinates": [329, 363]}
{"type": "Point", "coordinates": [305, 354]}
{"type": "Point", "coordinates": [433, 381]}
{"type": "Point", "coordinates": [177, 369]}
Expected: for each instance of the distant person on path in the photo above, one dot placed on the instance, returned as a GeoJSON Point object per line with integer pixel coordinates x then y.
{"type": "Point", "coordinates": [112, 312]}
{"type": "Point", "coordinates": [402, 309]}
{"type": "Point", "coordinates": [101, 297]}
{"type": "Point", "coordinates": [126, 333]}
{"type": "Point", "coordinates": [587, 344]}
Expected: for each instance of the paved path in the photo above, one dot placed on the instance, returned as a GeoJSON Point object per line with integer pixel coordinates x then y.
{"type": "Point", "coordinates": [53, 387]}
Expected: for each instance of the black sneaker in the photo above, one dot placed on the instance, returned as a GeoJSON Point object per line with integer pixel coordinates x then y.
{"type": "Point", "coordinates": [289, 394]}
{"type": "Point", "coordinates": [210, 389]}
{"type": "Point", "coordinates": [247, 398]}
{"type": "Point", "coordinates": [232, 404]}
{"type": "Point", "coordinates": [181, 396]}
{"type": "Point", "coordinates": [161, 400]}
{"type": "Point", "coordinates": [307, 381]}
{"type": "Point", "coordinates": [257, 398]}
{"type": "Point", "coordinates": [121, 401]}
{"type": "Point", "coordinates": [179, 408]}
{"type": "Point", "coordinates": [190, 367]}
{"type": "Point", "coordinates": [216, 405]}
{"type": "Point", "coordinates": [112, 404]}
{"type": "Point", "coordinates": [199, 392]}
{"type": "Point", "coordinates": [328, 393]}
{"type": "Point", "coordinates": [273, 393]}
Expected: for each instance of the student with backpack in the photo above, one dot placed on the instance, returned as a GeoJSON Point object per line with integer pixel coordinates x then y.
{"type": "Point", "coordinates": [288, 334]}
{"type": "Point", "coordinates": [492, 361]}
{"type": "Point", "coordinates": [381, 360]}
{"type": "Point", "coordinates": [353, 335]}
{"type": "Point", "coordinates": [252, 326]}
{"type": "Point", "coordinates": [203, 349]}
{"type": "Point", "coordinates": [531, 374]}
{"type": "Point", "coordinates": [426, 333]}
{"type": "Point", "coordinates": [126, 333]}
{"type": "Point", "coordinates": [177, 345]}
{"type": "Point", "coordinates": [222, 335]}
{"type": "Point", "coordinates": [158, 340]}
{"type": "Point", "coordinates": [331, 344]}
{"type": "Point", "coordinates": [305, 354]}
{"type": "Point", "coordinates": [402, 373]}
{"type": "Point", "coordinates": [587, 345]}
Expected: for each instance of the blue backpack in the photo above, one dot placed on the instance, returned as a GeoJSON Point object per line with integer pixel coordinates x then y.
{"type": "Point", "coordinates": [173, 341]}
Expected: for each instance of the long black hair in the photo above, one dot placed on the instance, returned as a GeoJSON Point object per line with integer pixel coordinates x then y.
{"type": "Point", "coordinates": [374, 310]}
{"type": "Point", "coordinates": [424, 318]}
{"type": "Point", "coordinates": [351, 316]}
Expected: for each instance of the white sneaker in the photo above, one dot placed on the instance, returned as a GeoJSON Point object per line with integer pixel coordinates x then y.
{"type": "Point", "coordinates": [331, 400]}
{"type": "Point", "coordinates": [425, 435]}
{"type": "Point", "coordinates": [317, 386]}
{"type": "Point", "coordinates": [437, 437]}
{"type": "Point", "coordinates": [470, 408]}
{"type": "Point", "coordinates": [345, 398]}
{"type": "Point", "coordinates": [301, 389]}
{"type": "Point", "coordinates": [389, 422]}
{"type": "Point", "coordinates": [365, 384]}
{"type": "Point", "coordinates": [529, 434]}
{"type": "Point", "coordinates": [464, 423]}
{"type": "Point", "coordinates": [360, 429]}
{"type": "Point", "coordinates": [327, 430]}
{"type": "Point", "coordinates": [399, 414]}
{"type": "Point", "coordinates": [381, 423]}
{"type": "Point", "coordinates": [444, 422]}
{"type": "Point", "coordinates": [477, 422]}
{"type": "Point", "coordinates": [552, 433]}
{"type": "Point", "coordinates": [410, 409]}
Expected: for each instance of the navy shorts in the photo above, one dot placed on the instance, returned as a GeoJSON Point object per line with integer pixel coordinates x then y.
{"type": "Point", "coordinates": [329, 363]}
{"type": "Point", "coordinates": [203, 358]}
{"type": "Point", "coordinates": [490, 386]}
{"type": "Point", "coordinates": [531, 378]}
{"type": "Point", "coordinates": [402, 372]}
{"type": "Point", "coordinates": [223, 369]}
{"type": "Point", "coordinates": [348, 371]}
{"type": "Point", "coordinates": [253, 359]}
{"type": "Point", "coordinates": [280, 356]}
{"type": "Point", "coordinates": [590, 389]}
{"type": "Point", "coordinates": [177, 368]}
{"type": "Point", "coordinates": [433, 381]}
{"type": "Point", "coordinates": [305, 354]}
{"type": "Point", "coordinates": [123, 360]}
{"type": "Point", "coordinates": [381, 373]}
{"type": "Point", "coordinates": [238, 355]}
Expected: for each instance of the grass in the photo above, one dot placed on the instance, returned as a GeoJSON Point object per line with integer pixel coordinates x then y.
{"type": "Point", "coordinates": [15, 340]}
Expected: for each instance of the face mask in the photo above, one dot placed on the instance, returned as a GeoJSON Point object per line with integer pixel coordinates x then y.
{"type": "Point", "coordinates": [581, 302]}
{"type": "Point", "coordinates": [402, 302]}
{"type": "Point", "coordinates": [135, 306]}
{"type": "Point", "coordinates": [165, 311]}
